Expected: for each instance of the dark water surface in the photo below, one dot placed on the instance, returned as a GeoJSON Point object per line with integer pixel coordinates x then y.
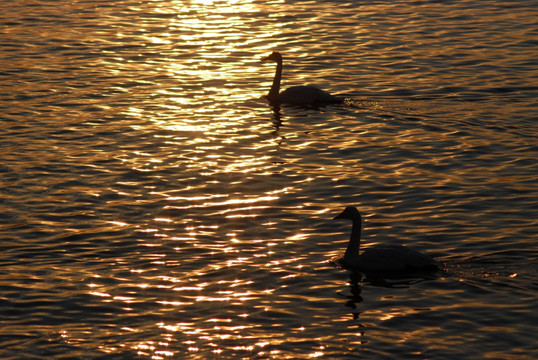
{"type": "Point", "coordinates": [153, 205]}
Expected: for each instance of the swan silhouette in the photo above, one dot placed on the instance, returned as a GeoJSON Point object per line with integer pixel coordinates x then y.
{"type": "Point", "coordinates": [296, 95]}
{"type": "Point", "coordinates": [380, 258]}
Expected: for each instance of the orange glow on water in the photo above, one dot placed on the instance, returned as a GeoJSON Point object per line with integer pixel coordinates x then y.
{"type": "Point", "coordinates": [154, 204]}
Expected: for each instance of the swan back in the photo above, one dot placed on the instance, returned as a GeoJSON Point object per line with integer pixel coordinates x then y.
{"type": "Point", "coordinates": [304, 95]}
{"type": "Point", "coordinates": [394, 257]}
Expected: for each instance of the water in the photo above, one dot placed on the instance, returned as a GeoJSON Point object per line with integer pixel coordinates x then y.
{"type": "Point", "coordinates": [153, 205]}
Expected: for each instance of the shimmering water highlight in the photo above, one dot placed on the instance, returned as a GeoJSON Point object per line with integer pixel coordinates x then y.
{"type": "Point", "coordinates": [154, 205]}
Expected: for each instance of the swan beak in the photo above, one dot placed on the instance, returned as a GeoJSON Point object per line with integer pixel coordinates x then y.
{"type": "Point", "coordinates": [266, 58]}
{"type": "Point", "coordinates": [339, 216]}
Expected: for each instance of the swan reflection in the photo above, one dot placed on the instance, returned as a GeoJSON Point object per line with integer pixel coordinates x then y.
{"type": "Point", "coordinates": [379, 279]}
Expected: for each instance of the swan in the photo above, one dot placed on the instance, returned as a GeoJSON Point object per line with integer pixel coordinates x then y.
{"type": "Point", "coordinates": [296, 95]}
{"type": "Point", "coordinates": [380, 258]}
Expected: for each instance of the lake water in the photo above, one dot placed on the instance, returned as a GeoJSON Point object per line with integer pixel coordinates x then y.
{"type": "Point", "coordinates": [155, 206]}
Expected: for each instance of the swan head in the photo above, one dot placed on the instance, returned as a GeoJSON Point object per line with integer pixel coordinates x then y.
{"type": "Point", "coordinates": [350, 212]}
{"type": "Point", "coordinates": [275, 56]}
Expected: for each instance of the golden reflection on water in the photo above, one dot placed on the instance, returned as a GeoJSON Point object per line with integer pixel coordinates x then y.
{"type": "Point", "coordinates": [188, 74]}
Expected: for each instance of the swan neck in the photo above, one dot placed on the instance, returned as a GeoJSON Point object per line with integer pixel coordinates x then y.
{"type": "Point", "coordinates": [355, 239]}
{"type": "Point", "coordinates": [275, 88]}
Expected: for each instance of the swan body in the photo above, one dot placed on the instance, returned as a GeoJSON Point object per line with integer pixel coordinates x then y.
{"type": "Point", "coordinates": [296, 95]}
{"type": "Point", "coordinates": [380, 258]}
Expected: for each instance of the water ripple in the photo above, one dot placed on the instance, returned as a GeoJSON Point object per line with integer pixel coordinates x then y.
{"type": "Point", "coordinates": [155, 206]}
